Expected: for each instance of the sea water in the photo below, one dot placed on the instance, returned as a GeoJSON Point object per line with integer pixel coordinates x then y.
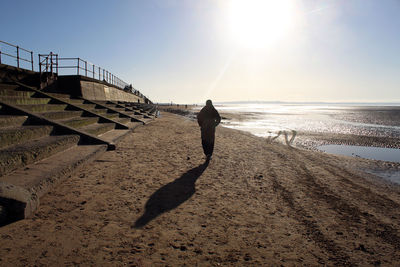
{"type": "Point", "coordinates": [377, 153]}
{"type": "Point", "coordinates": [267, 119]}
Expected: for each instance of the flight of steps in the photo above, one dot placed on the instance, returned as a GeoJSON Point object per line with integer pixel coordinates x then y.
{"type": "Point", "coordinates": [39, 128]}
{"type": "Point", "coordinates": [148, 109]}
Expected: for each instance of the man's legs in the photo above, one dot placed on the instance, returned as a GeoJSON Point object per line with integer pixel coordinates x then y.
{"type": "Point", "coordinates": [205, 146]}
{"type": "Point", "coordinates": [207, 140]}
{"type": "Point", "coordinates": [208, 147]}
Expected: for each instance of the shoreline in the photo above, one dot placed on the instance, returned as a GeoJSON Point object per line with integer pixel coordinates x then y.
{"type": "Point", "coordinates": [311, 140]}
{"type": "Point", "coordinates": [154, 202]}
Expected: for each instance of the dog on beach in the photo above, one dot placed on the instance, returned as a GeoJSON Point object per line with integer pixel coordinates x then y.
{"type": "Point", "coordinates": [286, 134]}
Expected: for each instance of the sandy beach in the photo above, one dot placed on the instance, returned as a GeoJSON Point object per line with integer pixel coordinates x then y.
{"type": "Point", "coordinates": [154, 201]}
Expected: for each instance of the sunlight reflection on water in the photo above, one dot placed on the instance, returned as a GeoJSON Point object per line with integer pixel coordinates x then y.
{"type": "Point", "coordinates": [267, 119]}
{"type": "Point", "coordinates": [376, 153]}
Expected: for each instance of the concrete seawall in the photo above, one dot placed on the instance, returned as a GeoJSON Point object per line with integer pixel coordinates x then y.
{"type": "Point", "coordinates": [92, 89]}
{"type": "Point", "coordinates": [74, 85]}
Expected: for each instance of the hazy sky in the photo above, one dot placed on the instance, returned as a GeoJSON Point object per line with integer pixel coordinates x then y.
{"type": "Point", "coordinates": [189, 51]}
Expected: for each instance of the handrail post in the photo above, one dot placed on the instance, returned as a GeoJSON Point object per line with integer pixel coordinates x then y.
{"type": "Point", "coordinates": [85, 68]}
{"type": "Point", "coordinates": [31, 60]}
{"type": "Point", "coordinates": [51, 63]}
{"type": "Point", "coordinates": [40, 65]}
{"type": "Point", "coordinates": [103, 75]}
{"type": "Point", "coordinates": [17, 56]}
{"type": "Point", "coordinates": [0, 56]}
{"type": "Point", "coordinates": [57, 63]}
{"type": "Point", "coordinates": [78, 67]}
{"type": "Point", "coordinates": [93, 71]}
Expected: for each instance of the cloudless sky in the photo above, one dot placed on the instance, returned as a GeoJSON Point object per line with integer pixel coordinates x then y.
{"type": "Point", "coordinates": [187, 51]}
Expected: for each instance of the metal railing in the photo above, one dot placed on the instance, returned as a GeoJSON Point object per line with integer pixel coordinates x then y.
{"type": "Point", "coordinates": [52, 64]}
{"type": "Point", "coordinates": [20, 55]}
{"type": "Point", "coordinates": [48, 63]}
{"type": "Point", "coordinates": [88, 69]}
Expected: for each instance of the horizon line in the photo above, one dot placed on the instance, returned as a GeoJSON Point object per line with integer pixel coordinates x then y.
{"type": "Point", "coordinates": [286, 102]}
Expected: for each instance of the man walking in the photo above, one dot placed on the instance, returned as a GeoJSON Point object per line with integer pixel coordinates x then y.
{"type": "Point", "coordinates": [208, 118]}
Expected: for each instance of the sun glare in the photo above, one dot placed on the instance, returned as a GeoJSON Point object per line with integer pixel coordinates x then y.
{"type": "Point", "coordinates": [259, 23]}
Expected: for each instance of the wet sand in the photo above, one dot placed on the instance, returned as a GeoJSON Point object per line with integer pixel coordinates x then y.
{"type": "Point", "coordinates": [154, 202]}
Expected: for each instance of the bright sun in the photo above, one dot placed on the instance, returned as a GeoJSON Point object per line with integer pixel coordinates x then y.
{"type": "Point", "coordinates": [259, 23]}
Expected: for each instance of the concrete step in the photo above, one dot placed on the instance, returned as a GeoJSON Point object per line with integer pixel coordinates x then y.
{"type": "Point", "coordinates": [119, 108]}
{"type": "Point", "coordinates": [56, 115]}
{"type": "Point", "coordinates": [132, 107]}
{"type": "Point", "coordinates": [10, 92]}
{"type": "Point", "coordinates": [123, 120]}
{"type": "Point", "coordinates": [79, 122]}
{"type": "Point", "coordinates": [137, 105]}
{"type": "Point", "coordinates": [8, 86]}
{"type": "Point", "coordinates": [153, 110]}
{"type": "Point", "coordinates": [73, 101]}
{"type": "Point", "coordinates": [67, 98]}
{"type": "Point", "coordinates": [87, 106]}
{"type": "Point", "coordinates": [134, 114]}
{"type": "Point", "coordinates": [22, 134]}
{"type": "Point", "coordinates": [100, 111]}
{"type": "Point", "coordinates": [146, 109]}
{"type": "Point", "coordinates": [12, 121]}
{"type": "Point", "coordinates": [21, 190]}
{"type": "Point", "coordinates": [59, 95]}
{"type": "Point", "coordinates": [93, 108]}
{"type": "Point", "coordinates": [136, 109]}
{"type": "Point", "coordinates": [14, 157]}
{"type": "Point", "coordinates": [18, 100]}
{"type": "Point", "coordinates": [111, 116]}
{"type": "Point", "coordinates": [111, 105]}
{"type": "Point", "coordinates": [98, 128]}
{"type": "Point", "coordinates": [44, 107]}
{"type": "Point", "coordinates": [115, 135]}
{"type": "Point", "coordinates": [140, 117]}
{"type": "Point", "coordinates": [146, 120]}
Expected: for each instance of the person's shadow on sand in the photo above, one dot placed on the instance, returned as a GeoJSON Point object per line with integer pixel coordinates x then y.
{"type": "Point", "coordinates": [171, 195]}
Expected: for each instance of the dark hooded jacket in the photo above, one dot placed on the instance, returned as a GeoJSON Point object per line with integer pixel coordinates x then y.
{"type": "Point", "coordinates": [208, 118]}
